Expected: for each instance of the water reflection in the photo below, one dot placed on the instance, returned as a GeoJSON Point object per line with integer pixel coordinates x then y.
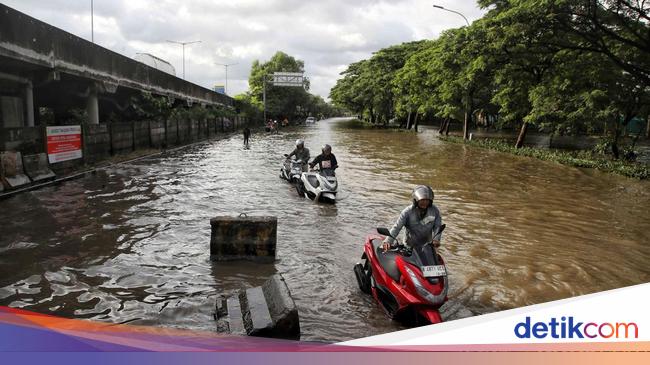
{"type": "Point", "coordinates": [131, 243]}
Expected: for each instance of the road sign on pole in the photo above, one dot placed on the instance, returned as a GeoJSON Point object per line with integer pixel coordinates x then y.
{"type": "Point", "coordinates": [295, 79]}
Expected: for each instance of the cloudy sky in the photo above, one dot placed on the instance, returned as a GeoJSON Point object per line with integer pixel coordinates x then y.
{"type": "Point", "coordinates": [327, 35]}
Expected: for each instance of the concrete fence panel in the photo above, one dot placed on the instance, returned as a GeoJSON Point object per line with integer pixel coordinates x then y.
{"type": "Point", "coordinates": [157, 133]}
{"type": "Point", "coordinates": [121, 138]}
{"type": "Point", "coordinates": [141, 135]}
{"type": "Point", "coordinates": [172, 132]}
{"type": "Point", "coordinates": [97, 142]}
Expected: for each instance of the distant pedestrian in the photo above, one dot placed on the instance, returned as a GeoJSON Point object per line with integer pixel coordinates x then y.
{"type": "Point", "coordinates": [247, 135]}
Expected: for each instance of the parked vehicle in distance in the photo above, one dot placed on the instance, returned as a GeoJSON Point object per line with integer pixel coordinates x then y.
{"type": "Point", "coordinates": [310, 120]}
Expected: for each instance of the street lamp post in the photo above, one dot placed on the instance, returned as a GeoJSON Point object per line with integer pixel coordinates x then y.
{"type": "Point", "coordinates": [183, 44]}
{"type": "Point", "coordinates": [92, 21]}
{"type": "Point", "coordinates": [452, 11]}
{"type": "Point", "coordinates": [468, 101]}
{"type": "Point", "coordinates": [226, 65]}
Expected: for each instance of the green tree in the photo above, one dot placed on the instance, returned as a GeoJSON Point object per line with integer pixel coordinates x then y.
{"type": "Point", "coordinates": [280, 101]}
{"type": "Point", "coordinates": [586, 91]}
{"type": "Point", "coordinates": [366, 86]}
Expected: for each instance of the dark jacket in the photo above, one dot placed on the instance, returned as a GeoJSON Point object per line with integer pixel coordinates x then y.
{"type": "Point", "coordinates": [302, 154]}
{"type": "Point", "coordinates": [325, 162]}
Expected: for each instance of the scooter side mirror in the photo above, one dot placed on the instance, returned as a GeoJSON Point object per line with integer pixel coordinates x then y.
{"type": "Point", "coordinates": [442, 228]}
{"type": "Point", "coordinates": [383, 231]}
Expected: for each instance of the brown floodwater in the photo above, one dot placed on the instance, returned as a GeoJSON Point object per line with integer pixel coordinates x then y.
{"type": "Point", "coordinates": [130, 244]}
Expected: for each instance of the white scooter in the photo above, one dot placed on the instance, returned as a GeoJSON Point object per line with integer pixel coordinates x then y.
{"type": "Point", "coordinates": [291, 170]}
{"type": "Point", "coordinates": [319, 185]}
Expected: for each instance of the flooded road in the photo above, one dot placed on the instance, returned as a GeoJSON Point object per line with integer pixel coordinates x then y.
{"type": "Point", "coordinates": [130, 244]}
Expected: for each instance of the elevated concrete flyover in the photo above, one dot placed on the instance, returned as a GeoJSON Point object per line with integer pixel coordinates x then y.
{"type": "Point", "coordinates": [41, 65]}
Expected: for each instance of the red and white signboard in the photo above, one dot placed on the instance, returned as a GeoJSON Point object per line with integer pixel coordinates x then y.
{"type": "Point", "coordinates": [64, 143]}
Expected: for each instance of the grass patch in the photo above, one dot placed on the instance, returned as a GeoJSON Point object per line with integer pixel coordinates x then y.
{"type": "Point", "coordinates": [585, 159]}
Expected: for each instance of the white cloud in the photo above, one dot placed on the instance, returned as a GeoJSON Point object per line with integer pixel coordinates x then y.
{"type": "Point", "coordinates": [327, 35]}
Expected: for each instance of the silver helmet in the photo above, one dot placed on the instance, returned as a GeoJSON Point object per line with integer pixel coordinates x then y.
{"type": "Point", "coordinates": [422, 192]}
{"type": "Point", "coordinates": [300, 143]}
{"type": "Point", "coordinates": [327, 148]}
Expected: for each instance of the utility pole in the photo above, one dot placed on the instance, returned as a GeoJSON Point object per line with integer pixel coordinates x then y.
{"type": "Point", "coordinates": [264, 97]}
{"type": "Point", "coordinates": [183, 44]}
{"type": "Point", "coordinates": [226, 65]}
{"type": "Point", "coordinates": [92, 21]}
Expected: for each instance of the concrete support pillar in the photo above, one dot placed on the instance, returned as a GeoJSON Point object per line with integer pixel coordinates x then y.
{"type": "Point", "coordinates": [29, 105]}
{"type": "Point", "coordinates": [92, 105]}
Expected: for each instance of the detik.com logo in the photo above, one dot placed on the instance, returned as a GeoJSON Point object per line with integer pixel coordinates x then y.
{"type": "Point", "coordinates": [568, 327]}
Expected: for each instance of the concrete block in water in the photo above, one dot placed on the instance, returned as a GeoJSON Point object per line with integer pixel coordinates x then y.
{"type": "Point", "coordinates": [258, 317]}
{"type": "Point", "coordinates": [12, 166]}
{"type": "Point", "coordinates": [281, 306]}
{"type": "Point", "coordinates": [243, 238]}
{"type": "Point", "coordinates": [266, 311]}
{"type": "Point", "coordinates": [37, 168]}
{"type": "Point", "coordinates": [235, 317]}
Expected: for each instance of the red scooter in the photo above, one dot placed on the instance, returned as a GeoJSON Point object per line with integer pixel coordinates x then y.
{"type": "Point", "coordinates": [409, 283]}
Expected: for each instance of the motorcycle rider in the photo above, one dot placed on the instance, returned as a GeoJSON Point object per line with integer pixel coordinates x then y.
{"type": "Point", "coordinates": [421, 220]}
{"type": "Point", "coordinates": [326, 160]}
{"type": "Point", "coordinates": [301, 152]}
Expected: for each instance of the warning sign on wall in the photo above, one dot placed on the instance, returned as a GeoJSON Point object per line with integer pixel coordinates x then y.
{"type": "Point", "coordinates": [64, 143]}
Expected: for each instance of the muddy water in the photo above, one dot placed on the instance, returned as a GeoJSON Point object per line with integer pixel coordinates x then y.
{"type": "Point", "coordinates": [131, 243]}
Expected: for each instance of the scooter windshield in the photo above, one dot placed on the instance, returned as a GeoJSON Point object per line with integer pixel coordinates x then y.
{"type": "Point", "coordinates": [423, 255]}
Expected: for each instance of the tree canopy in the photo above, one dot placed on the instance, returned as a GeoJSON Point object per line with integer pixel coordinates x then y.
{"type": "Point", "coordinates": [562, 66]}
{"type": "Point", "coordinates": [282, 102]}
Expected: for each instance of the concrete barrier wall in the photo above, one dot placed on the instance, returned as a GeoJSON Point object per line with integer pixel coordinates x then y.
{"type": "Point", "coordinates": [203, 129]}
{"type": "Point", "coordinates": [26, 139]}
{"type": "Point", "coordinates": [37, 168]}
{"type": "Point", "coordinates": [194, 130]}
{"type": "Point", "coordinates": [157, 133]}
{"type": "Point", "coordinates": [172, 133]}
{"type": "Point", "coordinates": [212, 127]}
{"type": "Point", "coordinates": [13, 174]}
{"type": "Point", "coordinates": [183, 131]}
{"type": "Point", "coordinates": [121, 138]}
{"type": "Point", "coordinates": [141, 135]}
{"type": "Point", "coordinates": [97, 142]}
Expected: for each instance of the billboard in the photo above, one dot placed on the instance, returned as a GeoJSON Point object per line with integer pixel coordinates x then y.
{"type": "Point", "coordinates": [219, 89]}
{"type": "Point", "coordinates": [63, 143]}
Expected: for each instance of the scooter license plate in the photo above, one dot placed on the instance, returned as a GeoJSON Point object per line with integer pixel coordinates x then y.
{"type": "Point", "coordinates": [434, 271]}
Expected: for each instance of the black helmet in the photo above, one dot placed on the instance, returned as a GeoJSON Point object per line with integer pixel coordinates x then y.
{"type": "Point", "coordinates": [327, 148]}
{"type": "Point", "coordinates": [422, 192]}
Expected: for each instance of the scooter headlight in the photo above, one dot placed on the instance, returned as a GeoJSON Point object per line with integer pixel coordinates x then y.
{"type": "Point", "coordinates": [422, 291]}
